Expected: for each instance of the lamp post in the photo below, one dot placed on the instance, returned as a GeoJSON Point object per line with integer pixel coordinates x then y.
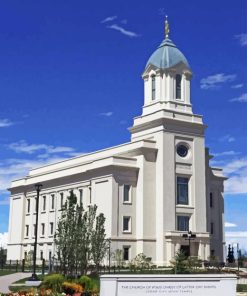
{"type": "Point", "coordinates": [109, 253]}
{"type": "Point", "coordinates": [189, 236]}
{"type": "Point", "coordinates": [34, 275]}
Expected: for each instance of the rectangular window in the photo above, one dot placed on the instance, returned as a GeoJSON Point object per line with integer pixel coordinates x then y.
{"type": "Point", "coordinates": [42, 229]}
{"type": "Point", "coordinates": [50, 255]}
{"type": "Point", "coordinates": [90, 194]}
{"type": "Point", "coordinates": [183, 223]}
{"type": "Point", "coordinates": [126, 253]}
{"type": "Point", "coordinates": [178, 86]}
{"type": "Point", "coordinates": [28, 206]}
{"type": "Point", "coordinates": [27, 230]}
{"type": "Point", "coordinates": [44, 203]}
{"type": "Point", "coordinates": [212, 228]}
{"type": "Point", "coordinates": [126, 224]}
{"type": "Point", "coordinates": [81, 196]}
{"type": "Point", "coordinates": [153, 88]}
{"type": "Point", "coordinates": [25, 255]}
{"type": "Point", "coordinates": [61, 200]}
{"type": "Point", "coordinates": [182, 190]}
{"type": "Point", "coordinates": [126, 194]}
{"type": "Point", "coordinates": [51, 228]}
{"type": "Point", "coordinates": [211, 199]}
{"type": "Point", "coordinates": [52, 202]}
{"type": "Point", "coordinates": [41, 255]}
{"type": "Point", "coordinates": [35, 205]}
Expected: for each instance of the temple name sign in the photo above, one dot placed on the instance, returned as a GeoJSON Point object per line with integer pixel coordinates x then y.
{"type": "Point", "coordinates": [173, 285]}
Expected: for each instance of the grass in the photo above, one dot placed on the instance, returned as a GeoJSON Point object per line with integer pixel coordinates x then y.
{"type": "Point", "coordinates": [21, 288]}
{"type": "Point", "coordinates": [6, 272]}
{"type": "Point", "coordinates": [24, 287]}
{"type": "Point", "coordinates": [241, 288]}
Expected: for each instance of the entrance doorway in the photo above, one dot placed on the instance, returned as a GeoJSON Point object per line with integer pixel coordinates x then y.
{"type": "Point", "coordinates": [185, 249]}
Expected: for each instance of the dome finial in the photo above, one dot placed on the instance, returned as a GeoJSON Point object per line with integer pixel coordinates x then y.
{"type": "Point", "coordinates": [167, 28]}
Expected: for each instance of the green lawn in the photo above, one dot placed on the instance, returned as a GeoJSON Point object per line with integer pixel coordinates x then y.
{"type": "Point", "coordinates": [241, 288]}
{"type": "Point", "coordinates": [5, 272]}
{"type": "Point", "coordinates": [21, 288]}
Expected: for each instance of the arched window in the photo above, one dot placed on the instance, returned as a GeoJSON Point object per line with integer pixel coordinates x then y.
{"type": "Point", "coordinates": [153, 87]}
{"type": "Point", "coordinates": [178, 86]}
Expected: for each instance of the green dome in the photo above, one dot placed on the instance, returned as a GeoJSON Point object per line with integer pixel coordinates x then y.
{"type": "Point", "coordinates": [166, 56]}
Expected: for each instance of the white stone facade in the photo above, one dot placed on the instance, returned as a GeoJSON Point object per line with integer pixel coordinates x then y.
{"type": "Point", "coordinates": [149, 194]}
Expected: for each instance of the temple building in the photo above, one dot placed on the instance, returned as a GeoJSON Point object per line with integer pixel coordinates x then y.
{"type": "Point", "coordinates": [152, 190]}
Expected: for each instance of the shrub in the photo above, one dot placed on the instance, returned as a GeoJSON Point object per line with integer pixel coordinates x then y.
{"type": "Point", "coordinates": [53, 282]}
{"type": "Point", "coordinates": [180, 263]}
{"type": "Point", "coordinates": [86, 282]}
{"type": "Point", "coordinates": [140, 262]}
{"type": "Point", "coordinates": [71, 288]}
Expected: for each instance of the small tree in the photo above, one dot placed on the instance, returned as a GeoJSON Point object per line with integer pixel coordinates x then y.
{"type": "Point", "coordinates": [180, 263]}
{"type": "Point", "coordinates": [80, 237]}
{"type": "Point", "coordinates": [2, 256]}
{"type": "Point", "coordinates": [118, 257]}
{"type": "Point", "coordinates": [29, 259]}
{"type": "Point", "coordinates": [140, 262]}
{"type": "Point", "coordinates": [98, 242]}
{"type": "Point", "coordinates": [230, 256]}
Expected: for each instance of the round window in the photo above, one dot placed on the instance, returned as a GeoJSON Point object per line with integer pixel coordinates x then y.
{"type": "Point", "coordinates": [182, 150]}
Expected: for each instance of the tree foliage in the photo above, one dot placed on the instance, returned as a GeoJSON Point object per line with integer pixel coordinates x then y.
{"type": "Point", "coordinates": [118, 257]}
{"type": "Point", "coordinates": [80, 237]}
{"type": "Point", "coordinates": [2, 256]}
{"type": "Point", "coordinates": [140, 262]}
{"type": "Point", "coordinates": [180, 263]}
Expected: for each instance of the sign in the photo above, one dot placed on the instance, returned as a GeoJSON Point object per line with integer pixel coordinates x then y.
{"type": "Point", "coordinates": [178, 288]}
{"type": "Point", "coordinates": [164, 285]}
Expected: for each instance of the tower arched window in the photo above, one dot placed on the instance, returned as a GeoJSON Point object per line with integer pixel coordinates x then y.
{"type": "Point", "coordinates": [178, 86]}
{"type": "Point", "coordinates": [153, 87]}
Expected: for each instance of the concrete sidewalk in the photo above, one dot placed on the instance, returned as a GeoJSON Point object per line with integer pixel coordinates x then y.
{"type": "Point", "coordinates": [7, 280]}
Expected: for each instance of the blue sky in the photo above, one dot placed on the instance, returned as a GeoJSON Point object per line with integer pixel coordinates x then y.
{"type": "Point", "coordinates": [70, 82]}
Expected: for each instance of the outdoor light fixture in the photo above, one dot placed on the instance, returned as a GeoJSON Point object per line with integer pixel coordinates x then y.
{"type": "Point", "coordinates": [109, 254]}
{"type": "Point", "coordinates": [34, 277]}
{"type": "Point", "coordinates": [189, 236]}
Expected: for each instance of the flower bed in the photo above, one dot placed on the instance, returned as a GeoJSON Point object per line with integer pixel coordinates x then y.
{"type": "Point", "coordinates": [58, 285]}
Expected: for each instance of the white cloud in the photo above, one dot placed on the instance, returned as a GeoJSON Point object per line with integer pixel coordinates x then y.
{"type": "Point", "coordinates": [236, 185]}
{"type": "Point", "coordinates": [234, 237]}
{"type": "Point", "coordinates": [242, 39]}
{"type": "Point", "coordinates": [237, 85]}
{"type": "Point", "coordinates": [226, 153]}
{"type": "Point", "coordinates": [228, 224]}
{"type": "Point", "coordinates": [38, 155]}
{"type": "Point", "coordinates": [236, 234]}
{"type": "Point", "coordinates": [3, 239]}
{"type": "Point", "coordinates": [236, 170]}
{"type": "Point", "coordinates": [124, 21]}
{"type": "Point", "coordinates": [235, 165]}
{"type": "Point", "coordinates": [23, 147]}
{"type": "Point", "coordinates": [109, 19]}
{"type": "Point", "coordinates": [12, 169]}
{"type": "Point", "coordinates": [107, 114]}
{"type": "Point", "coordinates": [241, 99]}
{"type": "Point", "coordinates": [5, 122]}
{"type": "Point", "coordinates": [123, 31]}
{"type": "Point", "coordinates": [227, 138]}
{"type": "Point", "coordinates": [214, 81]}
